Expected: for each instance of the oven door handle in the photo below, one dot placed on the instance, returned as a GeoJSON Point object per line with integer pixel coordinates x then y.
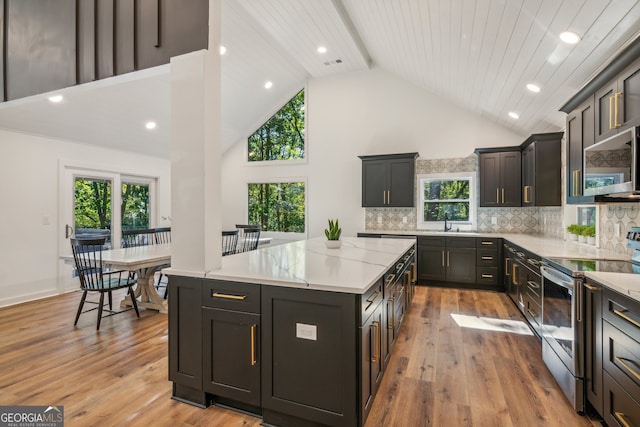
{"type": "Point", "coordinates": [557, 277]}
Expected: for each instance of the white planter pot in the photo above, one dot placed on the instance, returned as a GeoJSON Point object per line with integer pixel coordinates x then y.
{"type": "Point", "coordinates": [333, 244]}
{"type": "Point", "coordinates": [582, 239]}
{"type": "Point", "coordinates": [571, 236]}
{"type": "Point", "coordinates": [591, 240]}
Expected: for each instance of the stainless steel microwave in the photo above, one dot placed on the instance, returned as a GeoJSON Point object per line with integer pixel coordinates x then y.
{"type": "Point", "coordinates": [611, 166]}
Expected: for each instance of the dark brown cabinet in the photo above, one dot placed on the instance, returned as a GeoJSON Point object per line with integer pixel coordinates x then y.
{"type": "Point", "coordinates": [488, 263]}
{"type": "Point", "coordinates": [593, 345]}
{"type": "Point", "coordinates": [580, 134]}
{"type": "Point", "coordinates": [388, 180]}
{"type": "Point", "coordinates": [542, 170]}
{"type": "Point", "coordinates": [447, 259]}
{"type": "Point", "coordinates": [231, 343]}
{"type": "Point", "coordinates": [617, 103]}
{"type": "Point", "coordinates": [371, 359]}
{"type": "Point", "coordinates": [500, 177]}
{"type": "Point", "coordinates": [185, 339]}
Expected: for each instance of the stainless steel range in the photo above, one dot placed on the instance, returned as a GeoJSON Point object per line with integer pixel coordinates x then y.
{"type": "Point", "coordinates": [563, 312]}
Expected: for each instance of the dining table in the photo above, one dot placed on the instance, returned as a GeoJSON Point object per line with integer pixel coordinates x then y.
{"type": "Point", "coordinates": [144, 261]}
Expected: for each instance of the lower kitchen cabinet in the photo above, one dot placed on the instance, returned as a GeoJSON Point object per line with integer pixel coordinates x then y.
{"type": "Point", "coordinates": [185, 340]}
{"type": "Point", "coordinates": [447, 259]}
{"type": "Point", "coordinates": [371, 359]}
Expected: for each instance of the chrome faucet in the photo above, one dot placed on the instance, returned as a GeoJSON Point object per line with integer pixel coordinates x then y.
{"type": "Point", "coordinates": [446, 217]}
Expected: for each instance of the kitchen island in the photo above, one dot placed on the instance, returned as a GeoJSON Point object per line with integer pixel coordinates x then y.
{"type": "Point", "coordinates": [297, 333]}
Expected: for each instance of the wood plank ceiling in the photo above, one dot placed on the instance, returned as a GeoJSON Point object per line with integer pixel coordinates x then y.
{"type": "Point", "coordinates": [477, 54]}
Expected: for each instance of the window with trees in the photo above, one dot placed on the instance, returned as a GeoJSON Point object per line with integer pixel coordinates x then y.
{"type": "Point", "coordinates": [446, 196]}
{"type": "Point", "coordinates": [282, 136]}
{"type": "Point", "coordinates": [278, 207]}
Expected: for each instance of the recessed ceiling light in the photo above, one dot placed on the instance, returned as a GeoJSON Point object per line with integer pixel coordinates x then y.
{"type": "Point", "coordinates": [150, 125]}
{"type": "Point", "coordinates": [322, 49]}
{"type": "Point", "coordinates": [569, 37]}
{"type": "Point", "coordinates": [533, 87]}
{"type": "Point", "coordinates": [268, 85]}
{"type": "Point", "coordinates": [56, 98]}
{"type": "Point", "coordinates": [513, 115]}
{"type": "Point", "coordinates": [223, 50]}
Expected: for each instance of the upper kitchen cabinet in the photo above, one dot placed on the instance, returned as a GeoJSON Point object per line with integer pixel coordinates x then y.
{"type": "Point", "coordinates": [500, 177]}
{"type": "Point", "coordinates": [580, 134]}
{"type": "Point", "coordinates": [542, 170]}
{"type": "Point", "coordinates": [617, 103]}
{"type": "Point", "coordinates": [388, 180]}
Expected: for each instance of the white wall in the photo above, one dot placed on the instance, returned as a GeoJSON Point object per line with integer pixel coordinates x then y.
{"type": "Point", "coordinates": [353, 114]}
{"type": "Point", "coordinates": [30, 195]}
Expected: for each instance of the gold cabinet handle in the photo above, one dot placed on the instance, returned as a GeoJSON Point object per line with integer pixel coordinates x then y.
{"type": "Point", "coordinates": [497, 195]}
{"type": "Point", "coordinates": [611, 101]}
{"type": "Point", "coordinates": [503, 196]}
{"type": "Point", "coordinates": [253, 345]}
{"type": "Point", "coordinates": [628, 367]}
{"type": "Point", "coordinates": [376, 340]}
{"type": "Point", "coordinates": [393, 313]}
{"type": "Point", "coordinates": [390, 278]}
{"type": "Point", "coordinates": [619, 416]}
{"type": "Point", "coordinates": [622, 314]}
{"type": "Point", "coordinates": [487, 276]}
{"type": "Point", "coordinates": [443, 258]}
{"type": "Point", "coordinates": [448, 255]}
{"type": "Point", "coordinates": [591, 287]}
{"type": "Point", "coordinates": [506, 266]}
{"type": "Point", "coordinates": [407, 276]}
{"type": "Point", "coordinates": [487, 257]}
{"type": "Point", "coordinates": [228, 296]}
{"type": "Point", "coordinates": [514, 274]}
{"type": "Point", "coordinates": [486, 243]}
{"type": "Point", "coordinates": [526, 194]}
{"type": "Point", "coordinates": [615, 115]}
{"type": "Point", "coordinates": [414, 272]}
{"type": "Point", "coordinates": [388, 197]}
{"type": "Point", "coordinates": [375, 297]}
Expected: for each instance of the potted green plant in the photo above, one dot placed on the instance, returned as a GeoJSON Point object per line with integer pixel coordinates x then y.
{"type": "Point", "coordinates": [333, 234]}
{"type": "Point", "coordinates": [589, 232]}
{"type": "Point", "coordinates": [571, 232]}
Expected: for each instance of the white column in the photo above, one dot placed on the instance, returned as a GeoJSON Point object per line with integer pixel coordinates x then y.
{"type": "Point", "coordinates": [196, 217]}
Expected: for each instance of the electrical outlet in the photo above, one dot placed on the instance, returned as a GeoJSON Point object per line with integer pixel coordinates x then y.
{"type": "Point", "coordinates": [544, 220]}
{"type": "Point", "coordinates": [618, 230]}
{"type": "Point", "coordinates": [379, 219]}
{"type": "Point", "coordinates": [404, 219]}
{"type": "Point", "coordinates": [494, 220]}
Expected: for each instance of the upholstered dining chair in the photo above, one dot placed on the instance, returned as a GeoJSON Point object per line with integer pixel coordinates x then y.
{"type": "Point", "coordinates": [94, 277]}
{"type": "Point", "coordinates": [229, 242]}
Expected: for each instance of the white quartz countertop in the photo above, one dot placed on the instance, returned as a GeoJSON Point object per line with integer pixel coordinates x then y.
{"type": "Point", "coordinates": [624, 283]}
{"type": "Point", "coordinates": [309, 264]}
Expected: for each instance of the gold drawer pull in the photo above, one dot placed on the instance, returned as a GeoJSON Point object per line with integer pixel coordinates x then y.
{"type": "Point", "coordinates": [591, 287]}
{"type": "Point", "coordinates": [487, 257]}
{"type": "Point", "coordinates": [393, 313]}
{"type": "Point", "coordinates": [253, 345]}
{"type": "Point", "coordinates": [506, 266]}
{"type": "Point", "coordinates": [619, 416]}
{"type": "Point", "coordinates": [628, 367]}
{"type": "Point", "coordinates": [622, 314]}
{"type": "Point", "coordinates": [375, 297]}
{"type": "Point", "coordinates": [228, 296]}
{"type": "Point", "coordinates": [390, 278]}
{"type": "Point", "coordinates": [487, 276]}
{"type": "Point", "coordinates": [486, 243]}
{"type": "Point", "coordinates": [533, 284]}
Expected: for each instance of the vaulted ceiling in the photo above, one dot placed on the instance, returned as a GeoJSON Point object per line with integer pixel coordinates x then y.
{"type": "Point", "coordinates": [478, 54]}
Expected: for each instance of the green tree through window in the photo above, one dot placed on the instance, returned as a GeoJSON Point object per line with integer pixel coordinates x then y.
{"type": "Point", "coordinates": [277, 206]}
{"type": "Point", "coordinates": [282, 136]}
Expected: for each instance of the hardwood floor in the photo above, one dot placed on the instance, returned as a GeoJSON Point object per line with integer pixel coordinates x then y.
{"type": "Point", "coordinates": [440, 374]}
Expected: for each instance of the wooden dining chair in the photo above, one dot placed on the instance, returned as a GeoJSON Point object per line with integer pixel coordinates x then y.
{"type": "Point", "coordinates": [229, 242]}
{"type": "Point", "coordinates": [142, 237]}
{"type": "Point", "coordinates": [163, 235]}
{"type": "Point", "coordinates": [249, 239]}
{"type": "Point", "coordinates": [94, 277]}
